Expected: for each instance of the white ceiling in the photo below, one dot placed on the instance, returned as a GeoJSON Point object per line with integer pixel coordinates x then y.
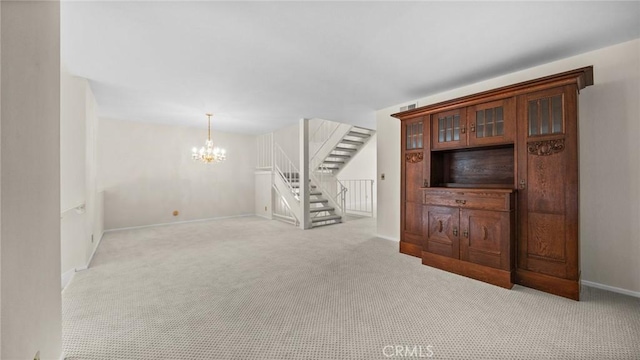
{"type": "Point", "coordinates": [260, 66]}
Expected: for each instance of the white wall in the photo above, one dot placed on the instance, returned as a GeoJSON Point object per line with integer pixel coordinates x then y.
{"type": "Point", "coordinates": [94, 222]}
{"type": "Point", "coordinates": [72, 140]}
{"type": "Point", "coordinates": [30, 312]}
{"type": "Point", "coordinates": [146, 172]}
{"type": "Point", "coordinates": [0, 182]}
{"type": "Point", "coordinates": [609, 161]}
{"type": "Point", "coordinates": [388, 165]}
{"type": "Point", "coordinates": [264, 202]}
{"type": "Point", "coordinates": [81, 231]}
{"type": "Point", "coordinates": [72, 171]}
{"type": "Point", "coordinates": [363, 166]}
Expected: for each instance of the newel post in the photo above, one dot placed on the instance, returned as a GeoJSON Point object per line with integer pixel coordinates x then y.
{"type": "Point", "coordinates": [305, 219]}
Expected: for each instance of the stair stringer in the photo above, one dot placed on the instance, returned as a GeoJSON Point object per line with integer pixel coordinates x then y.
{"type": "Point", "coordinates": [287, 194]}
{"type": "Point", "coordinates": [359, 148]}
{"type": "Point", "coordinates": [338, 134]}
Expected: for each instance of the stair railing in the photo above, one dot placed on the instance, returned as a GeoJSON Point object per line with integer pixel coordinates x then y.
{"type": "Point", "coordinates": [359, 199]}
{"type": "Point", "coordinates": [327, 183]}
{"type": "Point", "coordinates": [282, 210]}
{"type": "Point", "coordinates": [285, 168]}
{"type": "Point", "coordinates": [319, 137]}
{"type": "Point", "coordinates": [264, 145]}
{"type": "Point", "coordinates": [342, 195]}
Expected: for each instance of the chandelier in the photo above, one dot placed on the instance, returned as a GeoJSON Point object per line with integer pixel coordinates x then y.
{"type": "Point", "coordinates": [208, 154]}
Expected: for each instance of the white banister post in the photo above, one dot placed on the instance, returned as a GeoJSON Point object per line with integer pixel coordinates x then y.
{"type": "Point", "coordinates": [271, 152]}
{"type": "Point", "coordinates": [305, 220]}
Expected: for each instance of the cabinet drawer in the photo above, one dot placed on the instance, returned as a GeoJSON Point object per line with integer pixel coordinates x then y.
{"type": "Point", "coordinates": [499, 200]}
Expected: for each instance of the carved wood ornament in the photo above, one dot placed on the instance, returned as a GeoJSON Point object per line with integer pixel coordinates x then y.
{"type": "Point", "coordinates": [414, 158]}
{"type": "Point", "coordinates": [545, 148]}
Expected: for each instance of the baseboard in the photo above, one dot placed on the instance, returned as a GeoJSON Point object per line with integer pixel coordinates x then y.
{"type": "Point", "coordinates": [610, 288]}
{"type": "Point", "coordinates": [179, 222]}
{"type": "Point", "coordinates": [387, 238]}
{"type": "Point", "coordinates": [264, 216]}
{"type": "Point", "coordinates": [66, 278]}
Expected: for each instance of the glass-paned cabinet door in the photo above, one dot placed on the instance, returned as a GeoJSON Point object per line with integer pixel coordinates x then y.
{"type": "Point", "coordinates": [449, 129]}
{"type": "Point", "coordinates": [414, 134]}
{"type": "Point", "coordinates": [492, 123]}
{"type": "Point", "coordinates": [545, 115]}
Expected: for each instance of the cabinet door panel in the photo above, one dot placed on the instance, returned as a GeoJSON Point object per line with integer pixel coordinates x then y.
{"type": "Point", "coordinates": [546, 184]}
{"type": "Point", "coordinates": [546, 237]}
{"type": "Point", "coordinates": [492, 123]}
{"type": "Point", "coordinates": [442, 230]}
{"type": "Point", "coordinates": [548, 180]}
{"type": "Point", "coordinates": [449, 129]}
{"type": "Point", "coordinates": [413, 134]}
{"type": "Point", "coordinates": [414, 177]}
{"type": "Point", "coordinates": [485, 238]}
{"type": "Point", "coordinates": [546, 113]}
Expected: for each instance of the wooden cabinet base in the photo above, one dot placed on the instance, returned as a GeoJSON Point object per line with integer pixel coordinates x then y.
{"type": "Point", "coordinates": [489, 275]}
{"type": "Point", "coordinates": [561, 287]}
{"type": "Point", "coordinates": [410, 249]}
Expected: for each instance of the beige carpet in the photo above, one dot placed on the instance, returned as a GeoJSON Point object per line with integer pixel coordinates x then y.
{"type": "Point", "coordinates": [249, 288]}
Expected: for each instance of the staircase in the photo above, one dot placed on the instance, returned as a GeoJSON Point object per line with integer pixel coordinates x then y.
{"type": "Point", "coordinates": [331, 146]}
{"type": "Point", "coordinates": [343, 151]}
{"type": "Point", "coordinates": [321, 212]}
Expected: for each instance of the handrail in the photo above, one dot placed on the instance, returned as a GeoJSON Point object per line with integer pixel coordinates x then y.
{"type": "Point", "coordinates": [286, 204]}
{"type": "Point", "coordinates": [288, 165]}
{"type": "Point", "coordinates": [342, 194]}
{"type": "Point", "coordinates": [80, 209]}
{"type": "Point", "coordinates": [323, 175]}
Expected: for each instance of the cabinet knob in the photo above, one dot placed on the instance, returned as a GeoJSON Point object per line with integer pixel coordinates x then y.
{"type": "Point", "coordinates": [455, 231]}
{"type": "Point", "coordinates": [462, 202]}
{"type": "Point", "coordinates": [523, 184]}
{"type": "Point", "coordinates": [439, 225]}
{"type": "Point", "coordinates": [466, 233]}
{"type": "Point", "coordinates": [473, 127]}
{"type": "Point", "coordinates": [463, 129]}
{"type": "Point", "coordinates": [425, 183]}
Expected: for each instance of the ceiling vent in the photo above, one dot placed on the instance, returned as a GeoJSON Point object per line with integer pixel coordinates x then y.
{"type": "Point", "coordinates": [409, 107]}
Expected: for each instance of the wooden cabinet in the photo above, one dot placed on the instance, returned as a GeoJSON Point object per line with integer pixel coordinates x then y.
{"type": "Point", "coordinates": [449, 129]}
{"type": "Point", "coordinates": [490, 184]}
{"type": "Point", "coordinates": [548, 194]}
{"type": "Point", "coordinates": [442, 227]}
{"type": "Point", "coordinates": [487, 238]}
{"type": "Point", "coordinates": [413, 175]}
{"type": "Point", "coordinates": [483, 124]}
{"type": "Point", "coordinates": [473, 226]}
{"type": "Point", "coordinates": [492, 123]}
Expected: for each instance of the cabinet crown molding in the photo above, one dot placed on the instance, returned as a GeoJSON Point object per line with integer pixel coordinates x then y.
{"type": "Point", "coordinates": [581, 77]}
